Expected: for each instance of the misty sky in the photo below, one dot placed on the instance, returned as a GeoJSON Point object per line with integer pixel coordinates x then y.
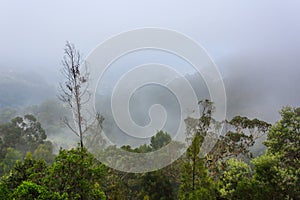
{"type": "Point", "coordinates": [255, 44]}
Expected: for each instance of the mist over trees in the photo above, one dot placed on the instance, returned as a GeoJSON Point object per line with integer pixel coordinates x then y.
{"type": "Point", "coordinates": [44, 156]}
{"type": "Point", "coordinates": [20, 88]}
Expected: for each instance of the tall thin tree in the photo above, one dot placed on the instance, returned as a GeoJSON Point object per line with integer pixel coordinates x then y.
{"type": "Point", "coordinates": [74, 90]}
{"type": "Point", "coordinates": [195, 182]}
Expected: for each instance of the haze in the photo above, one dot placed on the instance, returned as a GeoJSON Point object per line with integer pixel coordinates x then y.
{"type": "Point", "coordinates": [255, 44]}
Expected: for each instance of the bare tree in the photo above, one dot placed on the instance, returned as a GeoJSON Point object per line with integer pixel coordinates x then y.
{"type": "Point", "coordinates": [74, 90]}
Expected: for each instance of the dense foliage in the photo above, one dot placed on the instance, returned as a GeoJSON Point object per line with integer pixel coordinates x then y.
{"type": "Point", "coordinates": [29, 169]}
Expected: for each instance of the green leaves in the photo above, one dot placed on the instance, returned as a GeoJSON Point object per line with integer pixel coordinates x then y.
{"type": "Point", "coordinates": [278, 170]}
{"type": "Point", "coordinates": [235, 172]}
{"type": "Point", "coordinates": [284, 136]}
{"type": "Point", "coordinates": [75, 172]}
{"type": "Point", "coordinates": [28, 191]}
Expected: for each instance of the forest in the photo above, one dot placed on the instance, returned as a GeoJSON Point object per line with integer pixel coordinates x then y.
{"type": "Point", "coordinates": [158, 100]}
{"type": "Point", "coordinates": [251, 159]}
{"type": "Point", "coordinates": [30, 169]}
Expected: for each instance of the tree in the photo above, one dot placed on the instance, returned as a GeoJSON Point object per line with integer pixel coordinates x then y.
{"type": "Point", "coordinates": [159, 140]}
{"type": "Point", "coordinates": [195, 182]}
{"type": "Point", "coordinates": [28, 169]}
{"type": "Point", "coordinates": [10, 159]}
{"type": "Point", "coordinates": [74, 90]}
{"type": "Point", "coordinates": [76, 173]}
{"type": "Point", "coordinates": [267, 177]}
{"type": "Point", "coordinates": [119, 185]}
{"type": "Point", "coordinates": [237, 182]}
{"type": "Point", "coordinates": [48, 113]}
{"type": "Point", "coordinates": [63, 179]}
{"type": "Point", "coordinates": [235, 172]}
{"type": "Point", "coordinates": [279, 169]}
{"type": "Point", "coordinates": [45, 152]}
{"type": "Point", "coordinates": [241, 133]}
{"type": "Point", "coordinates": [75, 93]}
{"type": "Point", "coordinates": [160, 184]}
{"type": "Point", "coordinates": [22, 133]}
{"type": "Point", "coordinates": [5, 192]}
{"type": "Point", "coordinates": [28, 191]}
{"type": "Point", "coordinates": [157, 185]}
{"type": "Point", "coordinates": [284, 137]}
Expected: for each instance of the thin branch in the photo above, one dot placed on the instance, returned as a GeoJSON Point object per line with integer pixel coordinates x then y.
{"type": "Point", "coordinates": [70, 127]}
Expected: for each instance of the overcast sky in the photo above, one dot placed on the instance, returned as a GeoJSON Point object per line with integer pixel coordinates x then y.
{"type": "Point", "coordinates": [255, 44]}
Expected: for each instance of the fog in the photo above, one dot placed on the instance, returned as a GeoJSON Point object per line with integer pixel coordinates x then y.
{"type": "Point", "coordinates": [255, 45]}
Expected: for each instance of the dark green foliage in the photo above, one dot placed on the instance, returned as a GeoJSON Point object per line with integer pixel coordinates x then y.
{"type": "Point", "coordinates": [119, 185]}
{"type": "Point", "coordinates": [276, 173]}
{"type": "Point", "coordinates": [27, 170]}
{"type": "Point", "coordinates": [267, 177]}
{"type": "Point", "coordinates": [284, 136]}
{"type": "Point", "coordinates": [10, 159]}
{"type": "Point", "coordinates": [5, 192]}
{"type": "Point", "coordinates": [159, 140]}
{"type": "Point", "coordinates": [22, 133]}
{"type": "Point", "coordinates": [28, 191]}
{"type": "Point", "coordinates": [76, 173]}
{"type": "Point", "coordinates": [279, 169]}
{"type": "Point", "coordinates": [157, 185]}
{"type": "Point", "coordinates": [195, 182]}
{"type": "Point", "coordinates": [19, 136]}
